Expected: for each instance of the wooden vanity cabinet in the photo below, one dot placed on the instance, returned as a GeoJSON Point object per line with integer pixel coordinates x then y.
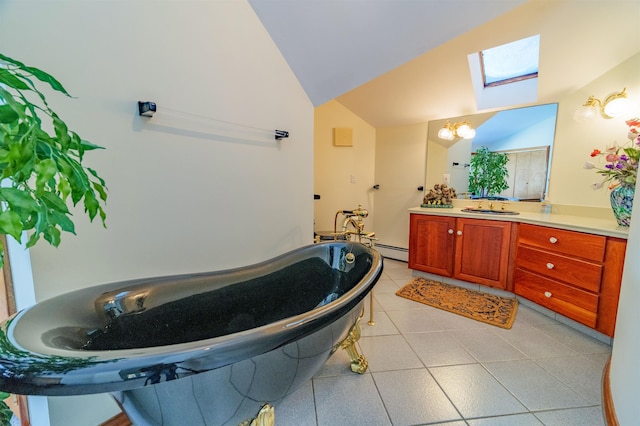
{"type": "Point", "coordinates": [575, 274]}
{"type": "Point", "coordinates": [472, 250]}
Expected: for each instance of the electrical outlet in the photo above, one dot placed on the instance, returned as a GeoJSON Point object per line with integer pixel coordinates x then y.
{"type": "Point", "coordinates": [353, 178]}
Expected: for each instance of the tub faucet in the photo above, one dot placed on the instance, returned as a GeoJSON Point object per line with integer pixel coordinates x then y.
{"type": "Point", "coordinates": [353, 218]}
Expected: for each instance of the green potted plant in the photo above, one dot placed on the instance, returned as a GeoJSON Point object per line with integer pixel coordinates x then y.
{"type": "Point", "coordinates": [40, 161]}
{"type": "Point", "coordinates": [41, 168]}
{"type": "Point", "coordinates": [488, 173]}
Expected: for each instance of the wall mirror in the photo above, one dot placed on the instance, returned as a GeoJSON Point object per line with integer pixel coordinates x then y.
{"type": "Point", "coordinates": [525, 134]}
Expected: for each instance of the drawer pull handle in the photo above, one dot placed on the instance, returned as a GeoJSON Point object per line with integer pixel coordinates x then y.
{"type": "Point", "coordinates": [550, 265]}
{"type": "Point", "coordinates": [553, 240]}
{"type": "Point", "coordinates": [459, 232]}
{"type": "Point", "coordinates": [450, 231]}
{"type": "Point", "coordinates": [547, 294]}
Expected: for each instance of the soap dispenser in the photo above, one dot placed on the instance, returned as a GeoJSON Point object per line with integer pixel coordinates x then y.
{"type": "Point", "coordinates": [545, 206]}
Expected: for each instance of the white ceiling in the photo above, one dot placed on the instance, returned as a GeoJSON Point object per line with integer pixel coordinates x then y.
{"type": "Point", "coordinates": [395, 62]}
{"type": "Point", "coordinates": [334, 46]}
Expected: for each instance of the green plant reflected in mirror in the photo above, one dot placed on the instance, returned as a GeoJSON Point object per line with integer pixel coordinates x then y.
{"type": "Point", "coordinates": [525, 134]}
{"type": "Point", "coordinates": [488, 173]}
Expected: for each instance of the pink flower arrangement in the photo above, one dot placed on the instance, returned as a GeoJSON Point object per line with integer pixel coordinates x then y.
{"type": "Point", "coordinates": [621, 166]}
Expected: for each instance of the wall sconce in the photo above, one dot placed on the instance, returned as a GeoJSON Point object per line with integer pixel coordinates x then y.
{"type": "Point", "coordinates": [461, 129]}
{"type": "Point", "coordinates": [613, 105]}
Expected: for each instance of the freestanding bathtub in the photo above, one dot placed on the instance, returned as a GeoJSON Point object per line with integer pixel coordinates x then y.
{"type": "Point", "coordinates": [202, 349]}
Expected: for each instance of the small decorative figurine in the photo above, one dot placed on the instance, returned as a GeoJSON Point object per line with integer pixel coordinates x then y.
{"type": "Point", "coordinates": [439, 196]}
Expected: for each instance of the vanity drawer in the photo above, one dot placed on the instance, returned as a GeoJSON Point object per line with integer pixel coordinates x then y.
{"type": "Point", "coordinates": [578, 244]}
{"type": "Point", "coordinates": [577, 272]}
{"type": "Point", "coordinates": [571, 302]}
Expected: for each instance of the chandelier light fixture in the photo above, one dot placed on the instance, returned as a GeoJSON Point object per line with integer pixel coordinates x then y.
{"type": "Point", "coordinates": [461, 129]}
{"type": "Point", "coordinates": [614, 105]}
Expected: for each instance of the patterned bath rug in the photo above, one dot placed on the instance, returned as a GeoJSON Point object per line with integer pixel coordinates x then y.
{"type": "Point", "coordinates": [477, 305]}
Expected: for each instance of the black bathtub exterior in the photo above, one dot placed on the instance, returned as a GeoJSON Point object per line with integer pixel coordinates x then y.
{"type": "Point", "coordinates": [121, 336]}
{"type": "Point", "coordinates": [233, 394]}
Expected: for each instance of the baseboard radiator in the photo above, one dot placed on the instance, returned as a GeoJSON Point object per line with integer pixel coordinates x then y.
{"type": "Point", "coordinates": [393, 252]}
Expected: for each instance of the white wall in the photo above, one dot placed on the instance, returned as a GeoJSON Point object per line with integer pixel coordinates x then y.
{"type": "Point", "coordinates": [184, 195]}
{"type": "Point", "coordinates": [344, 176]}
{"type": "Point", "coordinates": [569, 182]}
{"type": "Point", "coordinates": [400, 170]}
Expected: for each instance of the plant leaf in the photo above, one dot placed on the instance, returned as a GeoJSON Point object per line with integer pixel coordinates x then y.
{"type": "Point", "coordinates": [100, 190]}
{"type": "Point", "coordinates": [54, 202]}
{"type": "Point", "coordinates": [8, 78]}
{"type": "Point", "coordinates": [52, 235]}
{"type": "Point", "coordinates": [37, 73]}
{"type": "Point", "coordinates": [10, 224]}
{"type": "Point", "coordinates": [18, 198]}
{"type": "Point", "coordinates": [66, 224]}
{"type": "Point", "coordinates": [88, 146]}
{"type": "Point", "coordinates": [8, 115]}
{"type": "Point", "coordinates": [64, 188]}
{"type": "Point", "coordinates": [91, 205]}
{"type": "Point", "coordinates": [45, 170]}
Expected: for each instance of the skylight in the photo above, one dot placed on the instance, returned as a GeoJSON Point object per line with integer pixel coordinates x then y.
{"type": "Point", "coordinates": [510, 62]}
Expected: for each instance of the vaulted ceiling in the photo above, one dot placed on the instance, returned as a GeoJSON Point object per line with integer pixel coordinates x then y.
{"type": "Point", "coordinates": [395, 62]}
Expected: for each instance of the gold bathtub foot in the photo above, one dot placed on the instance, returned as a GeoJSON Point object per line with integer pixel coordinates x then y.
{"type": "Point", "coordinates": [266, 417]}
{"type": "Point", "coordinates": [359, 363]}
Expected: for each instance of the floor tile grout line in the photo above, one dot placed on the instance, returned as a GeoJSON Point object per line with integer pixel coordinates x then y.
{"type": "Point", "coordinates": [526, 355]}
{"type": "Point", "coordinates": [315, 404]}
{"type": "Point", "coordinates": [506, 388]}
{"type": "Point", "coordinates": [561, 380]}
{"type": "Point", "coordinates": [522, 402]}
{"type": "Point", "coordinates": [571, 330]}
{"type": "Point", "coordinates": [384, 405]}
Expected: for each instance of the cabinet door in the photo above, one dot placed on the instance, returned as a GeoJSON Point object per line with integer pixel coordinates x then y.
{"type": "Point", "coordinates": [482, 251]}
{"type": "Point", "coordinates": [431, 244]}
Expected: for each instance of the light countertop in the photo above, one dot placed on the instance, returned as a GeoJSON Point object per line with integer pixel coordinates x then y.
{"type": "Point", "coordinates": [573, 222]}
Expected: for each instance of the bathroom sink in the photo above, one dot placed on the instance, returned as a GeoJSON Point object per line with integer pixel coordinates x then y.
{"type": "Point", "coordinates": [489, 211]}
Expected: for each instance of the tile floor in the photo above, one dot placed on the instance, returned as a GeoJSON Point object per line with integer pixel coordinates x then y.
{"type": "Point", "coordinates": [431, 367]}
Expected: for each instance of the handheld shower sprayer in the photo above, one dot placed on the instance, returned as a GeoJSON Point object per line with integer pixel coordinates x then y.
{"type": "Point", "coordinates": [356, 212]}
